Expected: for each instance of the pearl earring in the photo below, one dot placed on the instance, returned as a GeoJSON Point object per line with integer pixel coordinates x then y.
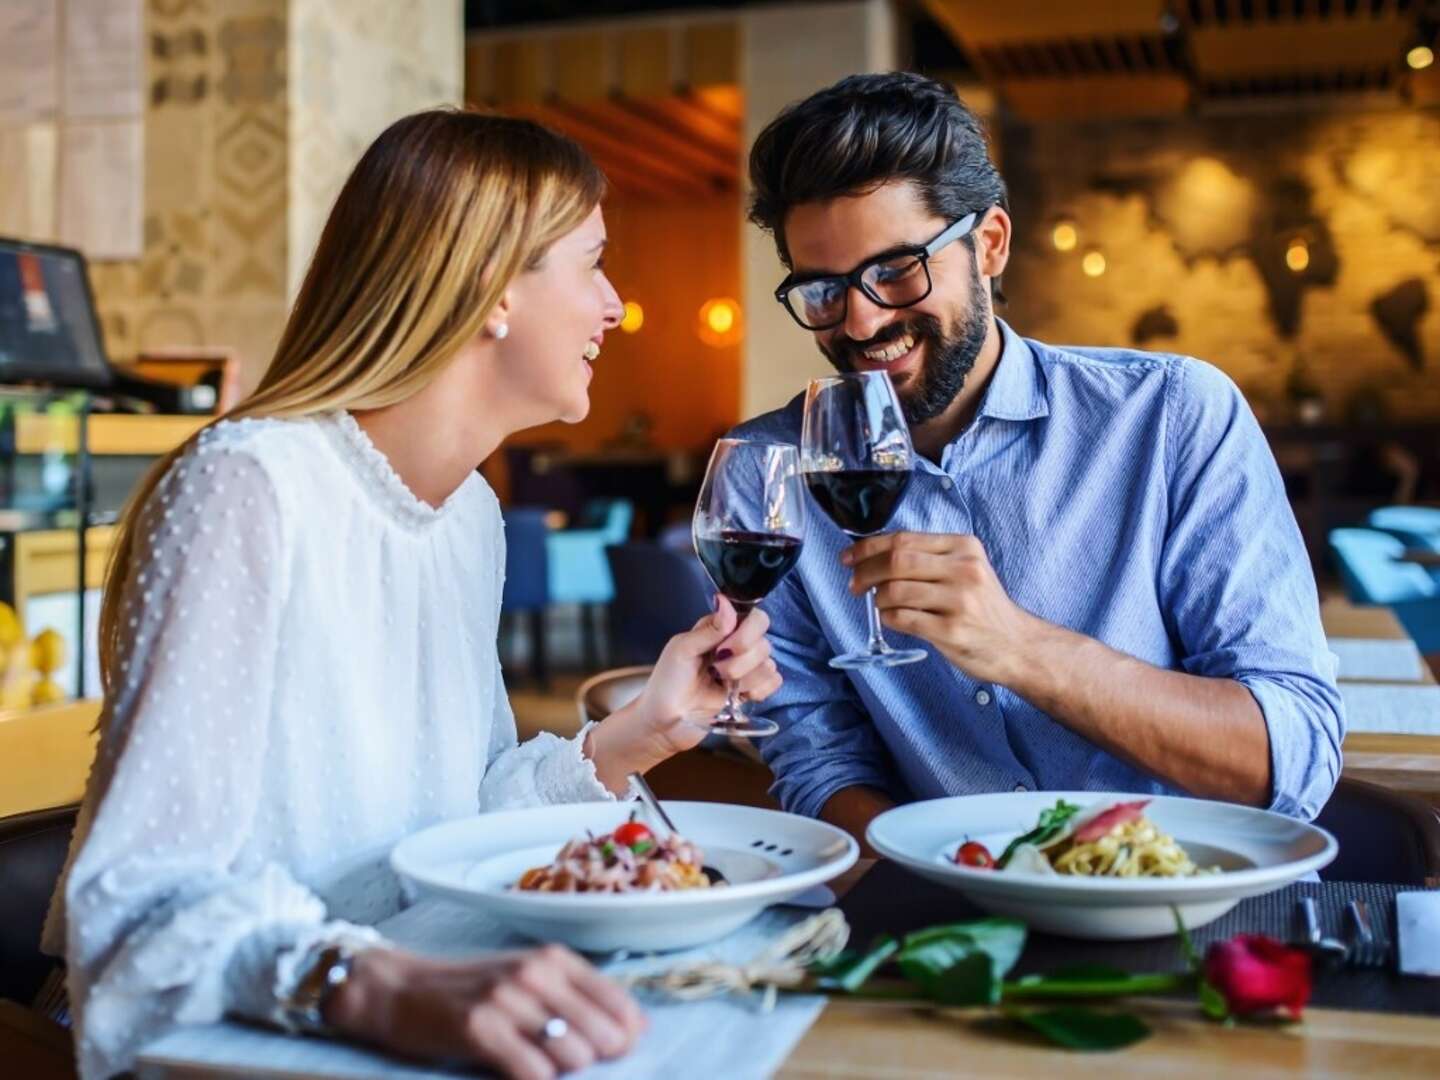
{"type": "Point", "coordinates": [502, 331]}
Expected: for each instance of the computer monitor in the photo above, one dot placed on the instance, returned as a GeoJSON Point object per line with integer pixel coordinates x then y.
{"type": "Point", "coordinates": [48, 330]}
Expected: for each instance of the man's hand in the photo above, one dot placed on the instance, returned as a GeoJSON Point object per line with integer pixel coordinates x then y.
{"type": "Point", "coordinates": [943, 589]}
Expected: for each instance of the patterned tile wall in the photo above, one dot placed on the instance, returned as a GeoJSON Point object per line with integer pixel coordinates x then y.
{"type": "Point", "coordinates": [241, 164]}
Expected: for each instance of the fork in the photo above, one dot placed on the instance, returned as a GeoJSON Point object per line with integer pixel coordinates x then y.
{"type": "Point", "coordinates": [642, 788]}
{"type": "Point", "coordinates": [1368, 949]}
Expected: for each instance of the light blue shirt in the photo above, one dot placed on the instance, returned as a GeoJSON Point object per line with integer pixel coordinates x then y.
{"type": "Point", "coordinates": [1126, 495]}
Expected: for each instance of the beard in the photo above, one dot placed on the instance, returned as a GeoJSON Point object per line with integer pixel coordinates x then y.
{"type": "Point", "coordinates": [950, 353]}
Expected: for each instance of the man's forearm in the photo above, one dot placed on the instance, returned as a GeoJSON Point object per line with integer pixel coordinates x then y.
{"type": "Point", "coordinates": [852, 809]}
{"type": "Point", "coordinates": [1204, 735]}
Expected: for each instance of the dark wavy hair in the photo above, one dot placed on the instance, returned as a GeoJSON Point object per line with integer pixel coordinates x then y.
{"type": "Point", "coordinates": [865, 131]}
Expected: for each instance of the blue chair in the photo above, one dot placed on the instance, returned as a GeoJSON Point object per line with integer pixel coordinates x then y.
{"type": "Point", "coordinates": [1414, 526]}
{"type": "Point", "coordinates": [527, 580]}
{"type": "Point", "coordinates": [579, 572]}
{"type": "Point", "coordinates": [1372, 575]}
{"type": "Point", "coordinates": [658, 593]}
{"type": "Point", "coordinates": [1417, 526]}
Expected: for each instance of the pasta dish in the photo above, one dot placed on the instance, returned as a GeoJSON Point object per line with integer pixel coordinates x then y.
{"type": "Point", "coordinates": [1117, 840]}
{"type": "Point", "coordinates": [631, 859]}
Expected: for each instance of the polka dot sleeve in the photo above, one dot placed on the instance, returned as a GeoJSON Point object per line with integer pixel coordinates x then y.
{"type": "Point", "coordinates": [160, 929]}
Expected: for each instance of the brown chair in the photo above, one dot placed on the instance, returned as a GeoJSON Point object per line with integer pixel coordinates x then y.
{"type": "Point", "coordinates": [1385, 836]}
{"type": "Point", "coordinates": [722, 774]}
{"type": "Point", "coordinates": [32, 854]}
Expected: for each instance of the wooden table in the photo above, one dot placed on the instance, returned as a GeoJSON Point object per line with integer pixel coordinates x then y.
{"type": "Point", "coordinates": [902, 1042]}
{"type": "Point", "coordinates": [1342, 619]}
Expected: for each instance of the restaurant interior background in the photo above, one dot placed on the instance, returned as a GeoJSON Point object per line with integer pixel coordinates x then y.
{"type": "Point", "coordinates": [1248, 181]}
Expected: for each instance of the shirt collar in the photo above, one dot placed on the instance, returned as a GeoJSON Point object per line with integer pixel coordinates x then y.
{"type": "Point", "coordinates": [1017, 389]}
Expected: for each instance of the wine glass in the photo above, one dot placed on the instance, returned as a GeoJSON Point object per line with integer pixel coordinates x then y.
{"type": "Point", "coordinates": [856, 455]}
{"type": "Point", "coordinates": [747, 529]}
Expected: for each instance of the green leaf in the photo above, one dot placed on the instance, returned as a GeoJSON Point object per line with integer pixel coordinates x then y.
{"type": "Point", "coordinates": [970, 981]}
{"type": "Point", "coordinates": [1001, 939]}
{"type": "Point", "coordinates": [1050, 823]}
{"type": "Point", "coordinates": [1083, 1029]}
{"type": "Point", "coordinates": [640, 847]}
{"type": "Point", "coordinates": [851, 968]}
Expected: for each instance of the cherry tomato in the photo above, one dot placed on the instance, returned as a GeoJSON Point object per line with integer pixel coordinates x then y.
{"type": "Point", "coordinates": [975, 854]}
{"type": "Point", "coordinates": [632, 833]}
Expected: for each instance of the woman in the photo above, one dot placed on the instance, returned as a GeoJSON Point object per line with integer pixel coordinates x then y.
{"type": "Point", "coordinates": [298, 639]}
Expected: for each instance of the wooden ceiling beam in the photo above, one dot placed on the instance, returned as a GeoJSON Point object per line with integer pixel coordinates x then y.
{"type": "Point", "coordinates": [602, 142]}
{"type": "Point", "coordinates": [638, 130]}
{"type": "Point", "coordinates": [672, 128]}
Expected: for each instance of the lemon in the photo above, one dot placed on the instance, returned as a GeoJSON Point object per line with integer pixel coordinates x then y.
{"type": "Point", "coordinates": [47, 692]}
{"type": "Point", "coordinates": [10, 629]}
{"type": "Point", "coordinates": [47, 651]}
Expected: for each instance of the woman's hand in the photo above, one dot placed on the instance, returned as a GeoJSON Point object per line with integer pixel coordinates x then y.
{"type": "Point", "coordinates": [687, 687]}
{"type": "Point", "coordinates": [490, 1011]}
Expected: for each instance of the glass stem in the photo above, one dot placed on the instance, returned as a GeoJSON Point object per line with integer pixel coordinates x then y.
{"type": "Point", "coordinates": [731, 713]}
{"type": "Point", "coordinates": [877, 637]}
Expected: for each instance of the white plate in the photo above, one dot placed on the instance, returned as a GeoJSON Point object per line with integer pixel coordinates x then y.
{"type": "Point", "coordinates": [768, 858]}
{"type": "Point", "coordinates": [1258, 852]}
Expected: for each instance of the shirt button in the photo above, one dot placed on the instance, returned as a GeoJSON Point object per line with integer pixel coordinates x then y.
{"type": "Point", "coordinates": [1021, 787]}
{"type": "Point", "coordinates": [947, 483]}
{"type": "Point", "coordinates": [982, 697]}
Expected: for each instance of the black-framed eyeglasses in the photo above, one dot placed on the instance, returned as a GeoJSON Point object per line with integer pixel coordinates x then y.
{"type": "Point", "coordinates": [893, 279]}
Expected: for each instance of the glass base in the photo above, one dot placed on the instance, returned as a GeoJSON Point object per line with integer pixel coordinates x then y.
{"type": "Point", "coordinates": [886, 658]}
{"type": "Point", "coordinates": [748, 727]}
{"type": "Point", "coordinates": [744, 726]}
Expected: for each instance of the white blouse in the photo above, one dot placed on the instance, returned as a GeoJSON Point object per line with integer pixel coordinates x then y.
{"type": "Point", "coordinates": [309, 673]}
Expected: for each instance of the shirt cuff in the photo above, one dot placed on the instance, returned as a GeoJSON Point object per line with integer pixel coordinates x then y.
{"type": "Point", "coordinates": [566, 775]}
{"type": "Point", "coordinates": [1304, 761]}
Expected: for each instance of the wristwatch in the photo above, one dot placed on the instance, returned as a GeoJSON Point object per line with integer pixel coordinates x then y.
{"type": "Point", "coordinates": [303, 1010]}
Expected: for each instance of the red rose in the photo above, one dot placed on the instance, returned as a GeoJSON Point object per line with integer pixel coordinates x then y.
{"type": "Point", "coordinates": [1256, 973]}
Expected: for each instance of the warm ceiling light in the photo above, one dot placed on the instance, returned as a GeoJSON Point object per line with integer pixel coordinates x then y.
{"type": "Point", "coordinates": [1065, 237]}
{"type": "Point", "coordinates": [1093, 264]}
{"type": "Point", "coordinates": [1297, 256]}
{"type": "Point", "coordinates": [1420, 57]}
{"type": "Point", "coordinates": [720, 321]}
{"type": "Point", "coordinates": [634, 317]}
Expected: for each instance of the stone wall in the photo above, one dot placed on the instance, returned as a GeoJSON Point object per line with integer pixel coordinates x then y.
{"type": "Point", "coordinates": [1293, 250]}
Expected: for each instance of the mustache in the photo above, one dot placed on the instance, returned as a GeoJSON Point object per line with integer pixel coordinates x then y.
{"type": "Point", "coordinates": [844, 351]}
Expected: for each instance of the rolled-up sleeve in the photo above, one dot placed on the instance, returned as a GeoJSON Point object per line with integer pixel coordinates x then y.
{"type": "Point", "coordinates": [1237, 585]}
{"type": "Point", "coordinates": [826, 740]}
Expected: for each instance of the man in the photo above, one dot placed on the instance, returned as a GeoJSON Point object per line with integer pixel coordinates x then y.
{"type": "Point", "coordinates": [1095, 547]}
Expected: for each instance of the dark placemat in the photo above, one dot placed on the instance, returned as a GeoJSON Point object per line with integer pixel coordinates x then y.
{"type": "Point", "coordinates": [890, 899]}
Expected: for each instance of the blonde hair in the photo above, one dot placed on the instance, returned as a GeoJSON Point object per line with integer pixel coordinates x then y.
{"type": "Point", "coordinates": [442, 211]}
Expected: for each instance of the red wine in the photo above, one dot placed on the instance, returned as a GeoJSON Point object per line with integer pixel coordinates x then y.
{"type": "Point", "coordinates": [860, 501]}
{"type": "Point", "coordinates": [745, 566]}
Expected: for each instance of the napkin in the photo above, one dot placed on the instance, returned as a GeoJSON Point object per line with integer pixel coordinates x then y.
{"type": "Point", "coordinates": [1417, 923]}
{"type": "Point", "coordinates": [1392, 708]}
{"type": "Point", "coordinates": [1378, 658]}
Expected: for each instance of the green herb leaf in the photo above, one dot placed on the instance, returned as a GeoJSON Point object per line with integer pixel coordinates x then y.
{"type": "Point", "coordinates": [851, 968]}
{"type": "Point", "coordinates": [1050, 823]}
{"type": "Point", "coordinates": [607, 849]}
{"type": "Point", "coordinates": [640, 847]}
{"type": "Point", "coordinates": [1083, 1029]}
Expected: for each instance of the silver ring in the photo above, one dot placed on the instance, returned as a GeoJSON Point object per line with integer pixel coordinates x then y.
{"type": "Point", "coordinates": [555, 1028]}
